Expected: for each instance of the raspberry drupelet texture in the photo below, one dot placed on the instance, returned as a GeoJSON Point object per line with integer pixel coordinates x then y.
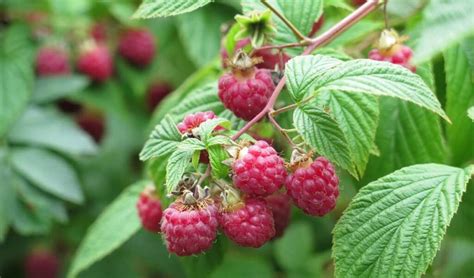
{"type": "Point", "coordinates": [189, 230]}
{"type": "Point", "coordinates": [193, 121]}
{"type": "Point", "coordinates": [149, 210]}
{"type": "Point", "coordinates": [401, 57]}
{"type": "Point", "coordinates": [314, 188]}
{"type": "Point", "coordinates": [246, 96]}
{"type": "Point", "coordinates": [259, 170]}
{"type": "Point", "coordinates": [280, 204]}
{"type": "Point", "coordinates": [41, 264]}
{"type": "Point", "coordinates": [137, 46]}
{"type": "Point", "coordinates": [249, 224]}
{"type": "Point", "coordinates": [96, 62]}
{"type": "Point", "coordinates": [52, 61]}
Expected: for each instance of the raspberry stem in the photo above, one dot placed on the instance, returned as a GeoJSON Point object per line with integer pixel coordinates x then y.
{"type": "Point", "coordinates": [324, 38]}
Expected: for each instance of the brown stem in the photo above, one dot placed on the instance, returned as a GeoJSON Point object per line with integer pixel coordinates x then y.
{"type": "Point", "coordinates": [205, 175]}
{"type": "Point", "coordinates": [286, 21]}
{"type": "Point", "coordinates": [326, 37]}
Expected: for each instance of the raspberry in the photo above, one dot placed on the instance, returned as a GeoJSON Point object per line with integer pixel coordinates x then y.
{"type": "Point", "coordinates": [259, 170]}
{"type": "Point", "coordinates": [401, 56]}
{"type": "Point", "coordinates": [93, 124]}
{"type": "Point", "coordinates": [137, 46]}
{"type": "Point", "coordinates": [270, 58]}
{"type": "Point", "coordinates": [248, 224]}
{"type": "Point", "coordinates": [98, 31]}
{"type": "Point", "coordinates": [52, 61]}
{"type": "Point", "coordinates": [96, 62]}
{"type": "Point", "coordinates": [156, 93]}
{"type": "Point", "coordinates": [316, 26]}
{"type": "Point", "coordinates": [280, 205]}
{"type": "Point", "coordinates": [246, 91]}
{"type": "Point", "coordinates": [68, 106]}
{"type": "Point", "coordinates": [149, 210]}
{"type": "Point", "coordinates": [41, 264]}
{"type": "Point", "coordinates": [193, 121]}
{"type": "Point", "coordinates": [189, 229]}
{"type": "Point", "coordinates": [314, 188]}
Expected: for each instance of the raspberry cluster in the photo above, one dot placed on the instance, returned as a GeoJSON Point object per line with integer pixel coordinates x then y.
{"type": "Point", "coordinates": [401, 56]}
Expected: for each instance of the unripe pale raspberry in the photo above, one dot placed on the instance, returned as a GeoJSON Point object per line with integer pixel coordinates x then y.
{"type": "Point", "coordinates": [280, 204]}
{"type": "Point", "coordinates": [156, 93]}
{"type": "Point", "coordinates": [193, 121]}
{"type": "Point", "coordinates": [189, 230]}
{"type": "Point", "coordinates": [259, 170]}
{"type": "Point", "coordinates": [314, 188]}
{"type": "Point", "coordinates": [96, 62]}
{"type": "Point", "coordinates": [246, 96]}
{"type": "Point", "coordinates": [41, 264]}
{"type": "Point", "coordinates": [248, 224]}
{"type": "Point", "coordinates": [137, 46]}
{"type": "Point", "coordinates": [316, 26]}
{"type": "Point", "coordinates": [52, 61]}
{"type": "Point", "coordinates": [149, 210]}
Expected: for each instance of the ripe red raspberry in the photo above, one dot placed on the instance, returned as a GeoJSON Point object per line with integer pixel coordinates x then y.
{"type": "Point", "coordinates": [271, 58]}
{"type": "Point", "coordinates": [137, 46]}
{"type": "Point", "coordinates": [280, 205]}
{"type": "Point", "coordinates": [246, 90]}
{"type": "Point", "coordinates": [41, 264]}
{"type": "Point", "coordinates": [96, 62]}
{"type": "Point", "coordinates": [314, 188]}
{"type": "Point", "coordinates": [189, 229]}
{"type": "Point", "coordinates": [316, 26]}
{"type": "Point", "coordinates": [149, 210]}
{"type": "Point", "coordinates": [93, 124]}
{"type": "Point", "coordinates": [248, 224]}
{"type": "Point", "coordinates": [68, 106]}
{"type": "Point", "coordinates": [401, 56]}
{"type": "Point", "coordinates": [259, 170]}
{"type": "Point", "coordinates": [156, 93]}
{"type": "Point", "coordinates": [52, 61]}
{"type": "Point", "coordinates": [193, 121]}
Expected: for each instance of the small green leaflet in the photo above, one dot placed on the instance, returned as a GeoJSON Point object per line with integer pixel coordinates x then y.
{"type": "Point", "coordinates": [191, 144]}
{"type": "Point", "coordinates": [394, 226]}
{"type": "Point", "coordinates": [163, 140]}
{"type": "Point", "coordinates": [206, 128]}
{"type": "Point", "coordinates": [323, 134]}
{"type": "Point", "coordinates": [217, 154]}
{"type": "Point", "coordinates": [176, 167]}
{"type": "Point", "coordinates": [358, 76]}
{"type": "Point", "coordinates": [163, 8]}
{"type": "Point", "coordinates": [51, 88]}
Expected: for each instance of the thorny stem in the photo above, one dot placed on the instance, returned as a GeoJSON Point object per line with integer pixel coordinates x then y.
{"type": "Point", "coordinates": [286, 21]}
{"type": "Point", "coordinates": [326, 37]}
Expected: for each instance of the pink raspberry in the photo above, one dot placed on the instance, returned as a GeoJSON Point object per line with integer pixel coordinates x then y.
{"type": "Point", "coordinates": [249, 224]}
{"type": "Point", "coordinates": [156, 93]}
{"type": "Point", "coordinates": [189, 229]}
{"type": "Point", "coordinates": [96, 62]}
{"type": "Point", "coordinates": [314, 188]}
{"type": "Point", "coordinates": [193, 121]}
{"type": "Point", "coordinates": [137, 46]}
{"type": "Point", "coordinates": [401, 57]}
{"type": "Point", "coordinates": [246, 95]}
{"type": "Point", "coordinates": [280, 205]}
{"type": "Point", "coordinates": [271, 58]}
{"type": "Point", "coordinates": [52, 61]}
{"type": "Point", "coordinates": [42, 264]}
{"type": "Point", "coordinates": [259, 170]}
{"type": "Point", "coordinates": [316, 26]}
{"type": "Point", "coordinates": [149, 210]}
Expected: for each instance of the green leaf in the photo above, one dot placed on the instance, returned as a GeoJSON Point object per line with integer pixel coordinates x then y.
{"type": "Point", "coordinates": [206, 128]}
{"type": "Point", "coordinates": [358, 32]}
{"type": "Point", "coordinates": [240, 265]}
{"type": "Point", "coordinates": [191, 144]}
{"type": "Point", "coordinates": [176, 167]}
{"type": "Point", "coordinates": [217, 154]}
{"type": "Point", "coordinates": [459, 97]}
{"type": "Point", "coordinates": [16, 74]}
{"type": "Point", "coordinates": [113, 227]}
{"type": "Point", "coordinates": [362, 76]}
{"type": "Point", "coordinates": [49, 172]}
{"type": "Point", "coordinates": [357, 116]}
{"type": "Point", "coordinates": [294, 249]}
{"type": "Point", "coordinates": [7, 194]}
{"type": "Point", "coordinates": [47, 128]}
{"type": "Point", "coordinates": [163, 140]}
{"type": "Point", "coordinates": [51, 88]}
{"type": "Point", "coordinates": [219, 140]}
{"type": "Point", "coordinates": [323, 134]}
{"type": "Point", "coordinates": [161, 8]}
{"type": "Point", "coordinates": [394, 226]}
{"type": "Point", "coordinates": [453, 19]}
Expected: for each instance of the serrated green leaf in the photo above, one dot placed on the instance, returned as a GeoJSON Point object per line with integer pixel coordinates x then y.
{"type": "Point", "coordinates": [49, 172]}
{"type": "Point", "coordinates": [161, 8]}
{"type": "Point", "coordinates": [7, 194]}
{"type": "Point", "coordinates": [51, 88]}
{"type": "Point", "coordinates": [219, 140]}
{"type": "Point", "coordinates": [459, 97]}
{"type": "Point", "coordinates": [206, 128]}
{"type": "Point", "coordinates": [394, 226]}
{"type": "Point", "coordinates": [362, 76]}
{"type": "Point", "coordinates": [357, 116]}
{"type": "Point", "coordinates": [217, 154]}
{"type": "Point", "coordinates": [191, 144]}
{"type": "Point", "coordinates": [451, 18]}
{"type": "Point", "coordinates": [323, 134]}
{"type": "Point", "coordinates": [163, 140]}
{"type": "Point", "coordinates": [117, 223]}
{"type": "Point", "coordinates": [176, 167]}
{"type": "Point", "coordinates": [358, 32]}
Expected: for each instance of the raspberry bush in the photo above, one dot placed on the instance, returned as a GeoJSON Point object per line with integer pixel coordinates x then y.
{"type": "Point", "coordinates": [274, 138]}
